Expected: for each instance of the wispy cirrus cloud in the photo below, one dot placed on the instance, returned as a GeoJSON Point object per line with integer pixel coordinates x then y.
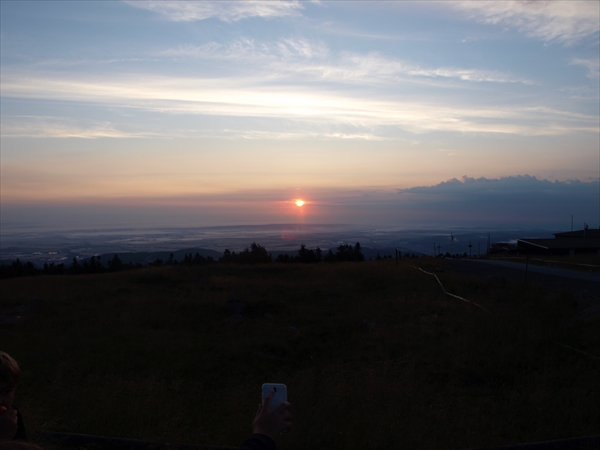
{"type": "Point", "coordinates": [592, 66]}
{"type": "Point", "coordinates": [63, 128]}
{"type": "Point", "coordinates": [586, 93]}
{"type": "Point", "coordinates": [563, 22]}
{"type": "Point", "coordinates": [448, 153]}
{"type": "Point", "coordinates": [374, 66]}
{"type": "Point", "coordinates": [227, 11]}
{"type": "Point", "coordinates": [251, 98]}
{"type": "Point", "coordinates": [248, 50]}
{"type": "Point", "coordinates": [290, 135]}
{"type": "Point", "coordinates": [313, 59]}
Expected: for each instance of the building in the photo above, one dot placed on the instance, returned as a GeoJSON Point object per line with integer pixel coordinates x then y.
{"type": "Point", "coordinates": [566, 243]}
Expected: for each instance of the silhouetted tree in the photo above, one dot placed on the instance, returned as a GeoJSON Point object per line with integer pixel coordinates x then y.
{"type": "Point", "coordinates": [346, 252]}
{"type": "Point", "coordinates": [358, 256]}
{"type": "Point", "coordinates": [115, 264]}
{"type": "Point", "coordinates": [227, 257]}
{"type": "Point", "coordinates": [306, 255]}
{"type": "Point", "coordinates": [18, 269]}
{"type": "Point", "coordinates": [171, 261]}
{"type": "Point", "coordinates": [254, 255]}
{"type": "Point", "coordinates": [330, 257]}
{"type": "Point", "coordinates": [93, 265]}
{"type": "Point", "coordinates": [319, 254]}
{"type": "Point", "coordinates": [259, 254]}
{"type": "Point", "coordinates": [52, 269]}
{"type": "Point", "coordinates": [75, 267]}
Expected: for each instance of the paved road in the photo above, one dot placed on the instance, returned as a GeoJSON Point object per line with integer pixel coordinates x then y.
{"type": "Point", "coordinates": [548, 276]}
{"type": "Point", "coordinates": [554, 271]}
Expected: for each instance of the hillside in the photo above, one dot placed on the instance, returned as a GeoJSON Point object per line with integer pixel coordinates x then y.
{"type": "Point", "coordinates": [374, 355]}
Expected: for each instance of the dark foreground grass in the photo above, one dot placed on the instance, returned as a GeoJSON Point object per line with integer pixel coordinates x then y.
{"type": "Point", "coordinates": [375, 356]}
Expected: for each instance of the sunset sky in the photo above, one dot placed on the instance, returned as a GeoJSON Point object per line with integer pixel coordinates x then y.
{"type": "Point", "coordinates": [123, 113]}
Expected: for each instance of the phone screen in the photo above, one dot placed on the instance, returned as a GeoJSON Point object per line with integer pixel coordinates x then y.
{"type": "Point", "coordinates": [279, 396]}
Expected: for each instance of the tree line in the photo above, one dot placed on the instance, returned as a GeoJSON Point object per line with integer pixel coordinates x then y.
{"type": "Point", "coordinates": [258, 254]}
{"type": "Point", "coordinates": [255, 254]}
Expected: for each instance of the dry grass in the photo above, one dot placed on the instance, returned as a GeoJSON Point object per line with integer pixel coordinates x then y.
{"type": "Point", "coordinates": [147, 355]}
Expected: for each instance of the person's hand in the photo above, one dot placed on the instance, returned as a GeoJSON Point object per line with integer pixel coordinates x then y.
{"type": "Point", "coordinates": [272, 422]}
{"type": "Point", "coordinates": [8, 423]}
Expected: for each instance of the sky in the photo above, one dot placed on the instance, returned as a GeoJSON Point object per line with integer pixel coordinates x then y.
{"type": "Point", "coordinates": [132, 113]}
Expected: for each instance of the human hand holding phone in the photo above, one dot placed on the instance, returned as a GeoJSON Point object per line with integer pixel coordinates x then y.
{"type": "Point", "coordinates": [279, 393]}
{"type": "Point", "coordinates": [273, 416]}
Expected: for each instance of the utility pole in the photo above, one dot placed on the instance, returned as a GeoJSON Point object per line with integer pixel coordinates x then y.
{"type": "Point", "coordinates": [470, 249]}
{"type": "Point", "coordinates": [488, 248]}
{"type": "Point", "coordinates": [571, 225]}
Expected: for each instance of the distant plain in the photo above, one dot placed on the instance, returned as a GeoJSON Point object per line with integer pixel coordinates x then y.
{"type": "Point", "coordinates": [61, 246]}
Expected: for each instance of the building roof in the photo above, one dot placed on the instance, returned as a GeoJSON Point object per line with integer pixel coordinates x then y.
{"type": "Point", "coordinates": [589, 233]}
{"type": "Point", "coordinates": [565, 243]}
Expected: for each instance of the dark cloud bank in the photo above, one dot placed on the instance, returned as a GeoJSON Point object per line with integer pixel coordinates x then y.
{"type": "Point", "coordinates": [517, 200]}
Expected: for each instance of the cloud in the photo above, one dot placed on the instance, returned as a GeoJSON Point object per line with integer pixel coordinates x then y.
{"type": "Point", "coordinates": [563, 22]}
{"type": "Point", "coordinates": [516, 199]}
{"type": "Point", "coordinates": [62, 127]}
{"type": "Point", "coordinates": [372, 68]}
{"type": "Point", "coordinates": [502, 186]}
{"type": "Point", "coordinates": [285, 136]}
{"type": "Point", "coordinates": [587, 93]}
{"type": "Point", "coordinates": [299, 57]}
{"type": "Point", "coordinates": [227, 11]}
{"type": "Point", "coordinates": [303, 105]}
{"type": "Point", "coordinates": [249, 51]}
{"type": "Point", "coordinates": [592, 66]}
{"type": "Point", "coordinates": [303, 48]}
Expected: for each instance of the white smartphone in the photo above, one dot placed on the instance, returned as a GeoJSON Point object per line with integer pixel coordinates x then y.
{"type": "Point", "coordinates": [279, 396]}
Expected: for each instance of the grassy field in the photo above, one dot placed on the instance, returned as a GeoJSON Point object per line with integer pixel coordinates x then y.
{"type": "Point", "coordinates": [375, 356]}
